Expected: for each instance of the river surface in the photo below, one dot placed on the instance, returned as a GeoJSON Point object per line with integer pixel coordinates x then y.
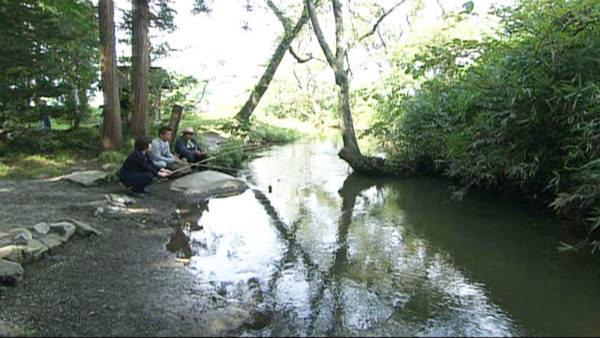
{"type": "Point", "coordinates": [329, 253]}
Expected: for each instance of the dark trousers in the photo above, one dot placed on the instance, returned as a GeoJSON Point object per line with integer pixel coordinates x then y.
{"type": "Point", "coordinates": [192, 158]}
{"type": "Point", "coordinates": [136, 180]}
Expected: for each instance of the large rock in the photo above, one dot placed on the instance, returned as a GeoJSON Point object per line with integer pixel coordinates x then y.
{"type": "Point", "coordinates": [10, 272]}
{"type": "Point", "coordinates": [87, 178]}
{"type": "Point", "coordinates": [209, 184]}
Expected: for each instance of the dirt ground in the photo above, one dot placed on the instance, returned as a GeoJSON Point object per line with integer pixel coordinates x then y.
{"type": "Point", "coordinates": [121, 283]}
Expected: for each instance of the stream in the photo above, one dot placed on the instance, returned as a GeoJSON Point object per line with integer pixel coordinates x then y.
{"type": "Point", "coordinates": [326, 252]}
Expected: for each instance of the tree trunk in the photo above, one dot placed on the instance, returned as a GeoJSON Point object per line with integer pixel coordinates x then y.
{"type": "Point", "coordinates": [351, 151]}
{"type": "Point", "coordinates": [176, 116]}
{"type": "Point", "coordinates": [263, 84]}
{"type": "Point", "coordinates": [141, 68]}
{"type": "Point", "coordinates": [111, 131]}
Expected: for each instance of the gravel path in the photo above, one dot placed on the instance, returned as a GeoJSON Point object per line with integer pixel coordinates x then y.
{"type": "Point", "coordinates": [121, 283]}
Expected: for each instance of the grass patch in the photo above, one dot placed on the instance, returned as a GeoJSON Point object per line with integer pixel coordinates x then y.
{"type": "Point", "coordinates": [36, 154]}
{"type": "Point", "coordinates": [35, 166]}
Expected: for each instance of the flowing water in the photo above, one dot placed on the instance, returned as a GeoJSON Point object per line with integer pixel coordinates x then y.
{"type": "Point", "coordinates": [328, 253]}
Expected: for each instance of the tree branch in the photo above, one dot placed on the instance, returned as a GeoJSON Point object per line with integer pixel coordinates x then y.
{"type": "Point", "coordinates": [298, 58]}
{"type": "Point", "coordinates": [286, 22]}
{"type": "Point", "coordinates": [319, 33]}
{"type": "Point", "coordinates": [376, 25]}
{"type": "Point", "coordinates": [339, 31]}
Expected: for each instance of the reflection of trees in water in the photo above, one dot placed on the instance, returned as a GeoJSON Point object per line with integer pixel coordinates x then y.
{"type": "Point", "coordinates": [187, 216]}
{"type": "Point", "coordinates": [325, 280]}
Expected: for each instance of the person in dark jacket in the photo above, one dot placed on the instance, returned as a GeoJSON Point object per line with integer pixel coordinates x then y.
{"type": "Point", "coordinates": [187, 147]}
{"type": "Point", "coordinates": [138, 170]}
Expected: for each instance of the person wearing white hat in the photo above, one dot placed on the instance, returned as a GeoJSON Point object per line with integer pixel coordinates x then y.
{"type": "Point", "coordinates": [187, 147]}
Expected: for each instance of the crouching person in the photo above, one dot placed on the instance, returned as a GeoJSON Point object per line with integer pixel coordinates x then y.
{"type": "Point", "coordinates": [138, 170]}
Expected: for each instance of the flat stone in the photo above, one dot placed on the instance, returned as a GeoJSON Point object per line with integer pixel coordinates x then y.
{"type": "Point", "coordinates": [41, 228]}
{"type": "Point", "coordinates": [51, 240]}
{"type": "Point", "coordinates": [34, 250]}
{"type": "Point", "coordinates": [209, 183]}
{"type": "Point", "coordinates": [20, 235]}
{"type": "Point", "coordinates": [84, 229]}
{"type": "Point", "coordinates": [12, 253]}
{"type": "Point", "coordinates": [10, 272]}
{"type": "Point", "coordinates": [87, 178]}
{"type": "Point", "coordinates": [63, 229]}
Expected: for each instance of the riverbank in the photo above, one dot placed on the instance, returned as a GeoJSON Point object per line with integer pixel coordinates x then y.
{"type": "Point", "coordinates": [122, 282]}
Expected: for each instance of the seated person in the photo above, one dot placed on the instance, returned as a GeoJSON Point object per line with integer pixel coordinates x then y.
{"type": "Point", "coordinates": [187, 147]}
{"type": "Point", "coordinates": [138, 170]}
{"type": "Point", "coordinates": [160, 154]}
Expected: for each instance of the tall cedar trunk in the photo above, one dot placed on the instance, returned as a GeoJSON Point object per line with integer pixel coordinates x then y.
{"type": "Point", "coordinates": [141, 68]}
{"type": "Point", "coordinates": [265, 80]}
{"type": "Point", "coordinates": [111, 132]}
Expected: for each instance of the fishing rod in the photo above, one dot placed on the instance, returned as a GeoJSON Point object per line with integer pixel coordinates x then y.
{"type": "Point", "coordinates": [203, 162]}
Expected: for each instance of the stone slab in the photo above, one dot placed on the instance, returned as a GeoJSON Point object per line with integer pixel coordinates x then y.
{"type": "Point", "coordinates": [34, 250]}
{"type": "Point", "coordinates": [63, 229]}
{"type": "Point", "coordinates": [84, 229]}
{"type": "Point", "coordinates": [51, 240]}
{"type": "Point", "coordinates": [10, 272]}
{"type": "Point", "coordinates": [19, 235]}
{"type": "Point", "coordinates": [12, 253]}
{"type": "Point", "coordinates": [209, 183]}
{"type": "Point", "coordinates": [87, 178]}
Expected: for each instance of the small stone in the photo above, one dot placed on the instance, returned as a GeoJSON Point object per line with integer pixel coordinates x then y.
{"type": "Point", "coordinates": [41, 228]}
{"type": "Point", "coordinates": [12, 253]}
{"type": "Point", "coordinates": [51, 240]}
{"type": "Point", "coordinates": [64, 229]}
{"type": "Point", "coordinates": [99, 211]}
{"type": "Point", "coordinates": [10, 272]}
{"type": "Point", "coordinates": [121, 199]}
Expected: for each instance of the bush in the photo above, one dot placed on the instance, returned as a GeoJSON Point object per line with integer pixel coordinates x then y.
{"type": "Point", "coordinates": [524, 115]}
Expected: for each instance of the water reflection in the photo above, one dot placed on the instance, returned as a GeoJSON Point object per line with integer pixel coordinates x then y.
{"type": "Point", "coordinates": [330, 254]}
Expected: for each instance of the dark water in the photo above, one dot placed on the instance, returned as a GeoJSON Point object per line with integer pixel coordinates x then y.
{"type": "Point", "coordinates": [328, 253]}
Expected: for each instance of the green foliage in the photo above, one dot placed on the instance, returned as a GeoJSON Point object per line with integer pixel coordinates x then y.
{"type": "Point", "coordinates": [306, 99]}
{"type": "Point", "coordinates": [258, 132]}
{"type": "Point", "coordinates": [50, 51]}
{"type": "Point", "coordinates": [83, 141]}
{"type": "Point", "coordinates": [112, 156]}
{"type": "Point", "coordinates": [185, 91]}
{"type": "Point", "coordinates": [518, 110]}
{"type": "Point", "coordinates": [231, 154]}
